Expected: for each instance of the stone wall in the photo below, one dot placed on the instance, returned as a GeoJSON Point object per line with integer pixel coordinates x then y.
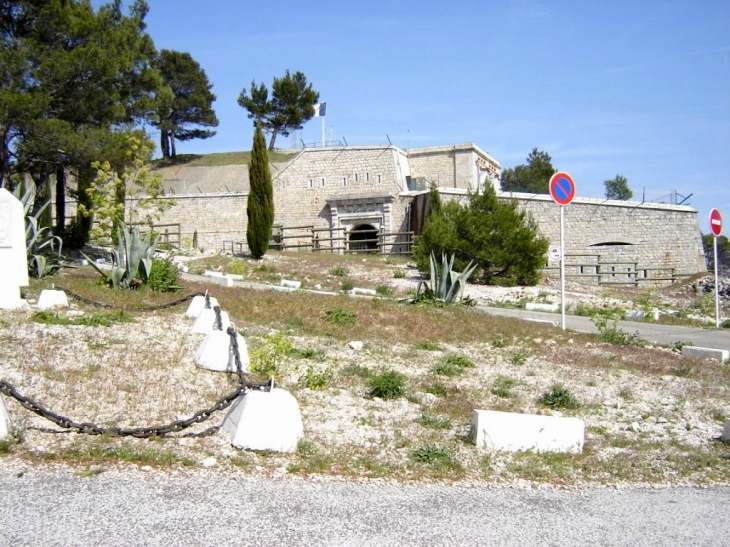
{"type": "Point", "coordinates": [622, 236]}
{"type": "Point", "coordinates": [458, 166]}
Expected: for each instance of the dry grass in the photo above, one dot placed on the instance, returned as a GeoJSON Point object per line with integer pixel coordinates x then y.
{"type": "Point", "coordinates": [142, 374]}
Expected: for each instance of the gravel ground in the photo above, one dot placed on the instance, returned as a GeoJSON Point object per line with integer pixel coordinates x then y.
{"type": "Point", "coordinates": [59, 509]}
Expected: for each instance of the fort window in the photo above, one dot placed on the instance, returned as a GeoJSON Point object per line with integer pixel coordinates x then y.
{"type": "Point", "coordinates": [367, 177]}
{"type": "Point", "coordinates": [344, 181]}
{"type": "Point", "coordinates": [379, 179]}
{"type": "Point", "coordinates": [355, 177]}
{"type": "Point", "coordinates": [311, 183]}
{"type": "Point", "coordinates": [322, 182]}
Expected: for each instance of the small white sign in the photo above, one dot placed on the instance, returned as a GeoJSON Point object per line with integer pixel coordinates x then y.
{"type": "Point", "coordinates": [554, 253]}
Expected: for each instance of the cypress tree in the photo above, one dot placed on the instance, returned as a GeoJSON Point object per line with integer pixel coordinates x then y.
{"type": "Point", "coordinates": [260, 205]}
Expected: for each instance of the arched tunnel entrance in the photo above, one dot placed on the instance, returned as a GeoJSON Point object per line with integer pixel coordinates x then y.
{"type": "Point", "coordinates": [363, 237]}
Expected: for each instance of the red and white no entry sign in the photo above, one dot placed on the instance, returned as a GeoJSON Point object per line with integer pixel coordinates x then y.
{"type": "Point", "coordinates": [715, 222]}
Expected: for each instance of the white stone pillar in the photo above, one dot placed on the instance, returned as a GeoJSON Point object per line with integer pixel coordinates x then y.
{"type": "Point", "coordinates": [13, 257]}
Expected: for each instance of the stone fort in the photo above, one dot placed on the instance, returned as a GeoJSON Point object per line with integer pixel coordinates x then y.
{"type": "Point", "coordinates": [372, 198]}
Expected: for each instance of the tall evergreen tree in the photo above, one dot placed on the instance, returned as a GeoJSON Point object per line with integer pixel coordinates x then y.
{"type": "Point", "coordinates": [618, 188]}
{"type": "Point", "coordinates": [184, 111]}
{"type": "Point", "coordinates": [291, 105]}
{"type": "Point", "coordinates": [533, 177]}
{"type": "Point", "coordinates": [260, 205]}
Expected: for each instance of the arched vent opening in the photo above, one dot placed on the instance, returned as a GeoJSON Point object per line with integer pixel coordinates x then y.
{"type": "Point", "coordinates": [610, 243]}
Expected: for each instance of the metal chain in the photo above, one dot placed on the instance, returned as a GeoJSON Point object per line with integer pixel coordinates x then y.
{"type": "Point", "coordinates": [143, 432]}
{"type": "Point", "coordinates": [136, 308]}
{"type": "Point", "coordinates": [207, 300]}
{"type": "Point", "coordinates": [218, 323]}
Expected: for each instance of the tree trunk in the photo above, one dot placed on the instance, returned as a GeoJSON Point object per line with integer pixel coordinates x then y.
{"type": "Point", "coordinates": [173, 153]}
{"type": "Point", "coordinates": [164, 144]}
{"type": "Point", "coordinates": [60, 200]}
{"type": "Point", "coordinates": [273, 139]}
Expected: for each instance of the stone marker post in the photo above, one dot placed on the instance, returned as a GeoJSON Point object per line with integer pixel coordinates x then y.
{"type": "Point", "coordinates": [13, 258]}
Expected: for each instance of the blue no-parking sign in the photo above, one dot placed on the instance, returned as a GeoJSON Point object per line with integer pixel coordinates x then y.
{"type": "Point", "coordinates": [562, 188]}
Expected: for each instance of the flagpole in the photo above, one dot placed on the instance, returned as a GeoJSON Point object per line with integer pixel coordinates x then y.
{"type": "Point", "coordinates": [322, 131]}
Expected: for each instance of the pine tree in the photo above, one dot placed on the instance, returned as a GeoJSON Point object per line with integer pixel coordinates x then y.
{"type": "Point", "coordinates": [260, 205]}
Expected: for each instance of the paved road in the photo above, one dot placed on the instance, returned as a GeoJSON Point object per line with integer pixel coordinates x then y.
{"type": "Point", "coordinates": [63, 510]}
{"type": "Point", "coordinates": [659, 334]}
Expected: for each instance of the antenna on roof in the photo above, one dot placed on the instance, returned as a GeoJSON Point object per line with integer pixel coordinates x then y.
{"type": "Point", "coordinates": [390, 143]}
{"type": "Point", "coordinates": [344, 139]}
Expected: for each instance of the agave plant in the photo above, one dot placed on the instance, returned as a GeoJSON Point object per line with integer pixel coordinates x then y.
{"type": "Point", "coordinates": [446, 285]}
{"type": "Point", "coordinates": [131, 260]}
{"type": "Point", "coordinates": [42, 248]}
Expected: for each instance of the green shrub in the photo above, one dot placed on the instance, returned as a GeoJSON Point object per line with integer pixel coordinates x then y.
{"type": "Point", "coordinates": [340, 316]}
{"type": "Point", "coordinates": [316, 380]}
{"type": "Point", "coordinates": [399, 274]}
{"type": "Point", "coordinates": [459, 361]}
{"type": "Point", "coordinates": [437, 388]}
{"type": "Point", "coordinates": [434, 422]}
{"type": "Point", "coordinates": [427, 345]}
{"type": "Point", "coordinates": [387, 384]}
{"type": "Point", "coordinates": [558, 397]}
{"type": "Point", "coordinates": [436, 456]}
{"type": "Point", "coordinates": [447, 369]}
{"type": "Point", "coordinates": [347, 285]}
{"type": "Point", "coordinates": [519, 357]}
{"type": "Point", "coordinates": [338, 271]}
{"type": "Point", "coordinates": [614, 335]}
{"type": "Point", "coordinates": [384, 290]}
{"type": "Point", "coordinates": [502, 387]}
{"type": "Point", "coordinates": [268, 356]}
{"type": "Point", "coordinates": [101, 319]}
{"type": "Point", "coordinates": [163, 276]}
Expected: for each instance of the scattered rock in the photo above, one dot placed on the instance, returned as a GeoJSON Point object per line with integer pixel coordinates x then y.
{"type": "Point", "coordinates": [355, 345]}
{"type": "Point", "coordinates": [209, 462]}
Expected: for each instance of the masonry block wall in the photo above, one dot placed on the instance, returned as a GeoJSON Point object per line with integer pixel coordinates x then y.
{"type": "Point", "coordinates": [457, 166]}
{"type": "Point", "coordinates": [650, 234]}
{"type": "Point", "coordinates": [215, 217]}
{"type": "Point", "coordinates": [301, 189]}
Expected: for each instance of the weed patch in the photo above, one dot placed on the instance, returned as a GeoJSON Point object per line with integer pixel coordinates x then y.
{"type": "Point", "coordinates": [387, 384]}
{"type": "Point", "coordinates": [558, 397]}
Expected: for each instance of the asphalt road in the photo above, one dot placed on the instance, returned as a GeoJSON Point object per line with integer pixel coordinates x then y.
{"type": "Point", "coordinates": [64, 510]}
{"type": "Point", "coordinates": [658, 334]}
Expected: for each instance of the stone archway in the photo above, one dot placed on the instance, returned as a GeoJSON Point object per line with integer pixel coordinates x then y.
{"type": "Point", "coordinates": [363, 237]}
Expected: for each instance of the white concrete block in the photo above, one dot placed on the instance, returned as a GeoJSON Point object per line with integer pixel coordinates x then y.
{"type": "Point", "coordinates": [726, 431]}
{"type": "Point", "coordinates": [261, 420]}
{"type": "Point", "coordinates": [536, 306]}
{"type": "Point", "coordinates": [216, 352]}
{"type": "Point", "coordinates": [206, 320]}
{"type": "Point", "coordinates": [514, 432]}
{"type": "Point", "coordinates": [364, 292]}
{"type": "Point", "coordinates": [52, 299]}
{"type": "Point", "coordinates": [13, 258]}
{"type": "Point", "coordinates": [213, 273]}
{"type": "Point", "coordinates": [696, 352]}
{"type": "Point", "coordinates": [291, 284]}
{"type": "Point", "coordinates": [5, 423]}
{"type": "Point", "coordinates": [198, 304]}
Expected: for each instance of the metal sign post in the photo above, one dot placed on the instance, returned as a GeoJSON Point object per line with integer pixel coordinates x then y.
{"type": "Point", "coordinates": [716, 228]}
{"type": "Point", "coordinates": [562, 190]}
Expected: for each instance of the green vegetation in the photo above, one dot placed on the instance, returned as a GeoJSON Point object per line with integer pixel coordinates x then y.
{"type": "Point", "coordinates": [131, 260]}
{"type": "Point", "coordinates": [340, 316]}
{"type": "Point", "coordinates": [434, 422]}
{"type": "Point", "coordinates": [502, 241]}
{"type": "Point", "coordinates": [338, 271]}
{"type": "Point", "coordinates": [533, 178]}
{"type": "Point", "coordinates": [260, 205]}
{"type": "Point", "coordinates": [519, 357]}
{"type": "Point", "coordinates": [101, 319]}
{"type": "Point", "coordinates": [43, 249]}
{"type": "Point", "coordinates": [387, 384]}
{"type": "Point", "coordinates": [503, 385]}
{"type": "Point", "coordinates": [427, 345]}
{"type": "Point", "coordinates": [618, 188]}
{"type": "Point", "coordinates": [558, 397]}
{"type": "Point", "coordinates": [316, 380]}
{"type": "Point", "coordinates": [163, 276]}
{"type": "Point", "coordinates": [436, 456]}
{"type": "Point", "coordinates": [614, 335]}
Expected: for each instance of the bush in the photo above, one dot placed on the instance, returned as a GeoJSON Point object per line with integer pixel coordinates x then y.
{"type": "Point", "coordinates": [502, 240]}
{"type": "Point", "coordinates": [339, 316]}
{"type": "Point", "coordinates": [338, 271]}
{"type": "Point", "coordinates": [558, 397]}
{"type": "Point", "coordinates": [316, 380]}
{"type": "Point", "coordinates": [347, 285]}
{"type": "Point", "coordinates": [163, 276]}
{"type": "Point", "coordinates": [388, 384]}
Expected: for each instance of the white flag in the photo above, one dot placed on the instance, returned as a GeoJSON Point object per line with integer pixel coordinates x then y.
{"type": "Point", "coordinates": [320, 109]}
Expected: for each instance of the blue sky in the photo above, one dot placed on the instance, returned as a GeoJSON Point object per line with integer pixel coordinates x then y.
{"type": "Point", "coordinates": [640, 89]}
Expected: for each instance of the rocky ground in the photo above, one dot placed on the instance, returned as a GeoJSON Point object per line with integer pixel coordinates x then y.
{"type": "Point", "coordinates": [651, 416]}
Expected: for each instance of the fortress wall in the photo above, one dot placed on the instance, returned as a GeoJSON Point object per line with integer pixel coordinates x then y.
{"type": "Point", "coordinates": [651, 235]}
{"type": "Point", "coordinates": [216, 217]}
{"type": "Point", "coordinates": [301, 189]}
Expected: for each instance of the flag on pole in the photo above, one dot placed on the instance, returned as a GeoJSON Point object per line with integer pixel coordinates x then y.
{"type": "Point", "coordinates": [320, 109]}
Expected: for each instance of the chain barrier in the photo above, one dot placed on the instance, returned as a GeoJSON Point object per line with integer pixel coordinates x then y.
{"type": "Point", "coordinates": [218, 323]}
{"type": "Point", "coordinates": [207, 300]}
{"type": "Point", "coordinates": [224, 402]}
{"type": "Point", "coordinates": [136, 308]}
